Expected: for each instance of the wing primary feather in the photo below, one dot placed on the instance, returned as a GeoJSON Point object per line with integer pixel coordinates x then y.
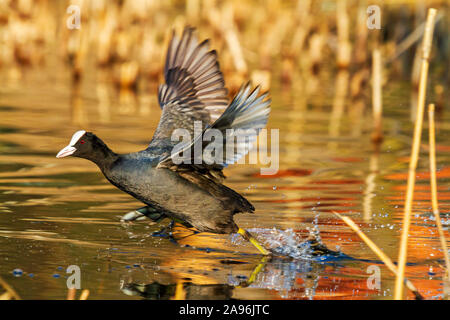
{"type": "Point", "coordinates": [194, 90]}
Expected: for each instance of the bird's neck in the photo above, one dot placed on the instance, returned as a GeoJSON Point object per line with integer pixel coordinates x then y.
{"type": "Point", "coordinates": [103, 156]}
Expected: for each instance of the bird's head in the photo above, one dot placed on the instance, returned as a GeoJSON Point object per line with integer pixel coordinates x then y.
{"type": "Point", "coordinates": [88, 146]}
{"type": "Point", "coordinates": [82, 145]}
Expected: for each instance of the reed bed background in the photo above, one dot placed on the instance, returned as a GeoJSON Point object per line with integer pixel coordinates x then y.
{"type": "Point", "coordinates": [271, 42]}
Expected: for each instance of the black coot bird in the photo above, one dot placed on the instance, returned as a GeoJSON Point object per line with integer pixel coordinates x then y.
{"type": "Point", "coordinates": [190, 192]}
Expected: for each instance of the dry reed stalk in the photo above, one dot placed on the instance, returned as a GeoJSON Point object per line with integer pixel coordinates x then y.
{"type": "Point", "coordinates": [426, 48]}
{"type": "Point", "coordinates": [360, 51]}
{"type": "Point", "coordinates": [343, 33]}
{"type": "Point", "coordinates": [339, 102]}
{"type": "Point", "coordinates": [370, 187]}
{"type": "Point", "coordinates": [10, 292]}
{"type": "Point", "coordinates": [304, 21]}
{"type": "Point", "coordinates": [447, 286]}
{"type": "Point", "coordinates": [377, 103]}
{"type": "Point", "coordinates": [71, 293]}
{"type": "Point", "coordinates": [316, 45]}
{"type": "Point", "coordinates": [230, 33]}
{"type": "Point", "coordinates": [410, 40]}
{"type": "Point", "coordinates": [84, 294]}
{"type": "Point", "coordinates": [386, 260]}
{"type": "Point", "coordinates": [433, 182]}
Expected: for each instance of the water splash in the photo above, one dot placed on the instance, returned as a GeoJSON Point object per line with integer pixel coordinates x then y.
{"type": "Point", "coordinates": [288, 243]}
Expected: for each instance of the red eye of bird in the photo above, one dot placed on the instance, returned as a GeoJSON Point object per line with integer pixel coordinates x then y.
{"type": "Point", "coordinates": [82, 141]}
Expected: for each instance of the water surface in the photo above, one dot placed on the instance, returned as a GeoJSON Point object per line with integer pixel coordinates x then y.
{"type": "Point", "coordinates": [60, 212]}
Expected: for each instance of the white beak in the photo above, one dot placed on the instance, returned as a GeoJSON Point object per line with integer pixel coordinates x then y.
{"type": "Point", "coordinates": [65, 152]}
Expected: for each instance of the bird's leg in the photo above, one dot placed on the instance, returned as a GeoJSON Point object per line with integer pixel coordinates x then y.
{"type": "Point", "coordinates": [255, 272]}
{"type": "Point", "coordinates": [247, 236]}
{"type": "Point", "coordinates": [165, 232]}
{"type": "Point", "coordinates": [142, 213]}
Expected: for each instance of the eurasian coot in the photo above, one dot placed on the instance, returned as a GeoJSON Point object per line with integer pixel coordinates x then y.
{"type": "Point", "coordinates": [193, 99]}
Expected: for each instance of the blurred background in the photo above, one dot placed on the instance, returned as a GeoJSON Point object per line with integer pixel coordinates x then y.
{"type": "Point", "coordinates": [272, 42]}
{"type": "Point", "coordinates": [59, 74]}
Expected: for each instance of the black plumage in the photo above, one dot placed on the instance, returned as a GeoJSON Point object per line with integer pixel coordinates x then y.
{"type": "Point", "coordinates": [192, 192]}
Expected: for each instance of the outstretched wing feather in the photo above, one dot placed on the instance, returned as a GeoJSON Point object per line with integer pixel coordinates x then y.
{"type": "Point", "coordinates": [245, 116]}
{"type": "Point", "coordinates": [194, 89]}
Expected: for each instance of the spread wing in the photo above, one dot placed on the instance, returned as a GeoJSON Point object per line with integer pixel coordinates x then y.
{"type": "Point", "coordinates": [194, 88]}
{"type": "Point", "coordinates": [232, 136]}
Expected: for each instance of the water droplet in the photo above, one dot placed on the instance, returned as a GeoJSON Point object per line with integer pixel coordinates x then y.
{"type": "Point", "coordinates": [17, 272]}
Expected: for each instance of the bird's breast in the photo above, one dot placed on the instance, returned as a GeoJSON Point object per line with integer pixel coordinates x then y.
{"type": "Point", "coordinates": [153, 185]}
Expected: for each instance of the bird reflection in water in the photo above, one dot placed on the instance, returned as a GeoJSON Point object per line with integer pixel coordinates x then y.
{"type": "Point", "coordinates": [287, 277]}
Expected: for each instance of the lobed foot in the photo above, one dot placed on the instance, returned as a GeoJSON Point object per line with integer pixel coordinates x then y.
{"type": "Point", "coordinates": [133, 216]}
{"type": "Point", "coordinates": [165, 232]}
{"type": "Point", "coordinates": [144, 213]}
